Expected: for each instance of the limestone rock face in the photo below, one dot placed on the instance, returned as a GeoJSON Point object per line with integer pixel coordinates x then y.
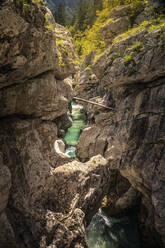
{"type": "Point", "coordinates": [110, 30]}
{"type": "Point", "coordinates": [132, 78]}
{"type": "Point", "coordinates": [127, 61]}
{"type": "Point", "coordinates": [50, 203]}
{"type": "Point", "coordinates": [120, 12]}
{"type": "Point", "coordinates": [6, 234]}
{"type": "Point", "coordinates": [133, 142]}
{"type": "Point", "coordinates": [88, 61]}
{"type": "Point", "coordinates": [118, 24]}
{"type": "Point", "coordinates": [24, 46]}
{"type": "Point", "coordinates": [30, 69]}
{"type": "Point", "coordinates": [51, 198]}
{"type": "Point", "coordinates": [41, 97]}
{"type": "Point", "coordinates": [68, 60]}
{"type": "Point", "coordinates": [5, 184]}
{"type": "Point", "coordinates": [28, 44]}
{"type": "Point", "coordinates": [88, 83]}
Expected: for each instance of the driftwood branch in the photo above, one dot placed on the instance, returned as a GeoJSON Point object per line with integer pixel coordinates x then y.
{"type": "Point", "coordinates": [94, 103]}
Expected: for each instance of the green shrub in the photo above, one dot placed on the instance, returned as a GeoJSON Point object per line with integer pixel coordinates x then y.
{"type": "Point", "coordinates": [137, 47]}
{"type": "Point", "coordinates": [127, 59]}
{"type": "Point", "coordinates": [74, 84]}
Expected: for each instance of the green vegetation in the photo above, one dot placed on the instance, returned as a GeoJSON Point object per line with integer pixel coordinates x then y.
{"type": "Point", "coordinates": [137, 47]}
{"type": "Point", "coordinates": [63, 52]}
{"type": "Point", "coordinates": [74, 84]}
{"type": "Point", "coordinates": [158, 23]}
{"type": "Point", "coordinates": [48, 25]}
{"type": "Point", "coordinates": [161, 26]}
{"type": "Point", "coordinates": [90, 17]}
{"type": "Point", "coordinates": [25, 4]}
{"type": "Point", "coordinates": [60, 15]}
{"type": "Point", "coordinates": [133, 31]}
{"type": "Point", "coordinates": [128, 59]}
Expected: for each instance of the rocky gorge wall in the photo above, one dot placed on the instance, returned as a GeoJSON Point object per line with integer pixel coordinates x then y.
{"type": "Point", "coordinates": [45, 199]}
{"type": "Point", "coordinates": [129, 78]}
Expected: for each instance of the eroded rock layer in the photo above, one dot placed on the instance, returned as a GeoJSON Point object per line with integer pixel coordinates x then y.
{"type": "Point", "coordinates": [129, 78]}
{"type": "Point", "coordinates": [45, 199]}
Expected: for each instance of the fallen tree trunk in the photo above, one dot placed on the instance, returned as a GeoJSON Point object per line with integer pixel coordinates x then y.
{"type": "Point", "coordinates": [94, 103]}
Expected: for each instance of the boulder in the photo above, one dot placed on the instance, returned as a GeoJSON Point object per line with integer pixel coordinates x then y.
{"type": "Point", "coordinates": [120, 12]}
{"type": "Point", "coordinates": [110, 30]}
{"type": "Point", "coordinates": [87, 86]}
{"type": "Point", "coordinates": [92, 141]}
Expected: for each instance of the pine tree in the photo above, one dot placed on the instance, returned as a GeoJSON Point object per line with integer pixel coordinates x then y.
{"type": "Point", "coordinates": [81, 15]}
{"type": "Point", "coordinates": [60, 16]}
{"type": "Point", "coordinates": [98, 4]}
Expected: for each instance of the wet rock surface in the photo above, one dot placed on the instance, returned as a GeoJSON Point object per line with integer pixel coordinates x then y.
{"type": "Point", "coordinates": [131, 136]}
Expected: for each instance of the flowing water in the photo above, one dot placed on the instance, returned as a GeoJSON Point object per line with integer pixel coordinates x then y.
{"type": "Point", "coordinates": [106, 232]}
{"type": "Point", "coordinates": [103, 232]}
{"type": "Point", "coordinates": [73, 133]}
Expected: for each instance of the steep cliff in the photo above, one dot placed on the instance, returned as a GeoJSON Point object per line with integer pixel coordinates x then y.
{"type": "Point", "coordinates": [130, 78]}
{"type": "Point", "coordinates": [45, 199]}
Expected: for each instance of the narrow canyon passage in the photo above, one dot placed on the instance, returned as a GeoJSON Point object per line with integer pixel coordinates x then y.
{"type": "Point", "coordinates": [103, 231]}
{"type": "Point", "coordinates": [112, 55]}
{"type": "Point", "coordinates": [73, 133]}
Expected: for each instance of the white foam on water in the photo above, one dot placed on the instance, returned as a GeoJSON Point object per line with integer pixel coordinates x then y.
{"type": "Point", "coordinates": [77, 106]}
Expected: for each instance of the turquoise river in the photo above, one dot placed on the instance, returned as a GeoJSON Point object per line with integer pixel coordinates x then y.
{"type": "Point", "coordinates": [103, 231]}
